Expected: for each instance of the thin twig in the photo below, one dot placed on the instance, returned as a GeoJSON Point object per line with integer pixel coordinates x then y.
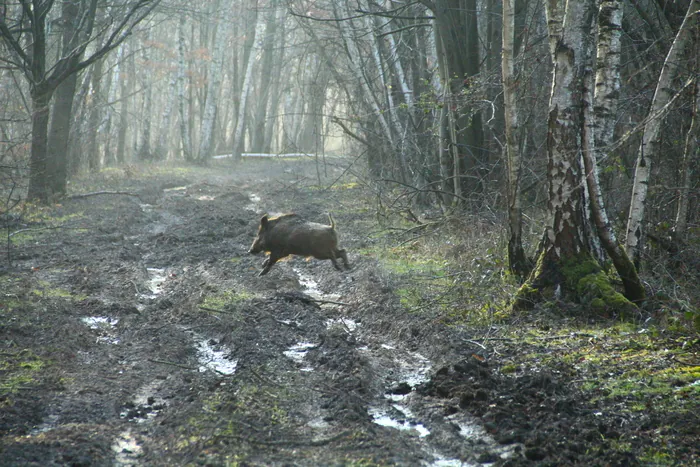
{"type": "Point", "coordinates": [178, 365]}
{"type": "Point", "coordinates": [96, 193]}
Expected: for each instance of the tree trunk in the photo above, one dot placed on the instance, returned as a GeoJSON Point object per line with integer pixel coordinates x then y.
{"type": "Point", "coordinates": [690, 160]}
{"type": "Point", "coordinates": [93, 148]}
{"type": "Point", "coordinates": [207, 131]}
{"type": "Point", "coordinates": [566, 268]}
{"type": "Point", "coordinates": [144, 151]}
{"type": "Point", "coordinates": [185, 128]}
{"type": "Point", "coordinates": [273, 126]}
{"type": "Point", "coordinates": [456, 23]}
{"type": "Point", "coordinates": [651, 139]}
{"type": "Point", "coordinates": [238, 136]}
{"type": "Point", "coordinates": [518, 263]}
{"type": "Point", "coordinates": [62, 115]}
{"type": "Point", "coordinates": [600, 114]}
{"type": "Point", "coordinates": [347, 32]}
{"type": "Point", "coordinates": [163, 148]}
{"type": "Point", "coordinates": [266, 78]}
{"type": "Point", "coordinates": [59, 135]}
{"type": "Point", "coordinates": [125, 84]}
{"type": "Point", "coordinates": [39, 180]}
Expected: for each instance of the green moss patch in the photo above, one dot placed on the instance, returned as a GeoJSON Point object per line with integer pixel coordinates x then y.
{"type": "Point", "coordinates": [20, 371]}
{"type": "Point", "coordinates": [221, 299]}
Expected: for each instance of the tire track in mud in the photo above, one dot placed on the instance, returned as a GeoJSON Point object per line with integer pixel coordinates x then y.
{"type": "Point", "coordinates": [402, 371]}
{"type": "Point", "coordinates": [393, 404]}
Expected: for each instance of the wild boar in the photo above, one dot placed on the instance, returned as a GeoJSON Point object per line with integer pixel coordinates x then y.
{"type": "Point", "coordinates": [289, 234]}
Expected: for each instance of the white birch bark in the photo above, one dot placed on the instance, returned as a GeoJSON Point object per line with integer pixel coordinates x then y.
{"type": "Point", "coordinates": [144, 145]}
{"type": "Point", "coordinates": [599, 121]}
{"type": "Point", "coordinates": [346, 29]}
{"type": "Point", "coordinates": [607, 81]}
{"type": "Point", "coordinates": [163, 148]}
{"type": "Point", "coordinates": [651, 138]}
{"type": "Point", "coordinates": [207, 130]}
{"type": "Point", "coordinates": [181, 95]}
{"type": "Point", "coordinates": [386, 88]}
{"type": "Point", "coordinates": [398, 66]}
{"type": "Point", "coordinates": [245, 92]}
{"type": "Point", "coordinates": [601, 113]}
{"type": "Point", "coordinates": [276, 93]}
{"type": "Point", "coordinates": [569, 31]}
{"type": "Point", "coordinates": [517, 262]}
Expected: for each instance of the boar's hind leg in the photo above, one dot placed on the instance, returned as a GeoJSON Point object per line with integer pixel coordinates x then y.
{"type": "Point", "coordinates": [333, 259]}
{"type": "Point", "coordinates": [341, 253]}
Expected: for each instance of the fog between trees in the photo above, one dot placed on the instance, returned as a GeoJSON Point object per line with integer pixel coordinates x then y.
{"type": "Point", "coordinates": [586, 110]}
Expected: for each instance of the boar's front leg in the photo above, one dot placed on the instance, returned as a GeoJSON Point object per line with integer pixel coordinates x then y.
{"type": "Point", "coordinates": [269, 262]}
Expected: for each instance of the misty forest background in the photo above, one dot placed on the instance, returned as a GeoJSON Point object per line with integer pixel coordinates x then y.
{"type": "Point", "coordinates": [578, 119]}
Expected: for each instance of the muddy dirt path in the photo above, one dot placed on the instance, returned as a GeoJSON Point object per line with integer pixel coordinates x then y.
{"type": "Point", "coordinates": [163, 346]}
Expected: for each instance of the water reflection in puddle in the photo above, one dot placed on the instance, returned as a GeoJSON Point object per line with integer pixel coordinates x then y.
{"type": "Point", "coordinates": [177, 188]}
{"type": "Point", "coordinates": [105, 326]}
{"type": "Point", "coordinates": [156, 279]}
{"type": "Point", "coordinates": [346, 323]}
{"type": "Point", "coordinates": [298, 351]}
{"type": "Point", "coordinates": [214, 357]}
{"type": "Point", "coordinates": [127, 450]}
{"type": "Point", "coordinates": [381, 417]}
{"type": "Point", "coordinates": [311, 287]}
{"type": "Point", "coordinates": [99, 322]}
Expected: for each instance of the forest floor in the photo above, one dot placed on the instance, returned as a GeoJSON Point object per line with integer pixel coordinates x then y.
{"type": "Point", "coordinates": [134, 330]}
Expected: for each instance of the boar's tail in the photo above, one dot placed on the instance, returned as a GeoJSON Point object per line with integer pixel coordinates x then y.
{"type": "Point", "coordinates": [332, 222]}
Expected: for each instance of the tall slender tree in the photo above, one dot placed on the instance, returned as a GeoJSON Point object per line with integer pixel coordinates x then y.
{"type": "Point", "coordinates": [517, 260]}
{"type": "Point", "coordinates": [651, 139]}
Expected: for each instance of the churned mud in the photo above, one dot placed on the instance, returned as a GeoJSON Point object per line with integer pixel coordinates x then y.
{"type": "Point", "coordinates": [149, 339]}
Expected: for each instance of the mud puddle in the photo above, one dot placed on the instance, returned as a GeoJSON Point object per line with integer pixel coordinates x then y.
{"type": "Point", "coordinates": [444, 440]}
{"type": "Point", "coordinates": [213, 356]}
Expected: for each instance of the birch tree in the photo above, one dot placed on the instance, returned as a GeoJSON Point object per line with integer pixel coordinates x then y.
{"type": "Point", "coordinates": [566, 267]}
{"type": "Point", "coordinates": [207, 130]}
{"type": "Point", "coordinates": [600, 111]}
{"type": "Point", "coordinates": [651, 139]}
{"type": "Point", "coordinates": [691, 157]}
{"type": "Point", "coordinates": [163, 147]}
{"type": "Point", "coordinates": [517, 261]}
{"type": "Point", "coordinates": [185, 139]}
{"type": "Point", "coordinates": [238, 136]}
{"type": "Point", "coordinates": [347, 33]}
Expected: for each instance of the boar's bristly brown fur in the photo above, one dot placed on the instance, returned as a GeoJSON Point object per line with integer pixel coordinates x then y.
{"type": "Point", "coordinates": [289, 234]}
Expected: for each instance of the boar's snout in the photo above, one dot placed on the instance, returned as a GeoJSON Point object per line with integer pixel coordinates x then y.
{"type": "Point", "coordinates": [258, 244]}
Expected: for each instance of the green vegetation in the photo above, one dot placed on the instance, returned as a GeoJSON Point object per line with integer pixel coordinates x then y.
{"type": "Point", "coordinates": [221, 299]}
{"type": "Point", "coordinates": [20, 371]}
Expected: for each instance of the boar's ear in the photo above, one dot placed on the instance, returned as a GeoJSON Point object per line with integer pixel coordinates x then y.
{"type": "Point", "coordinates": [263, 220]}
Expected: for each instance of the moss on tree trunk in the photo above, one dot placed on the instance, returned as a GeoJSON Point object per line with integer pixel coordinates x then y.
{"type": "Point", "coordinates": [578, 279]}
